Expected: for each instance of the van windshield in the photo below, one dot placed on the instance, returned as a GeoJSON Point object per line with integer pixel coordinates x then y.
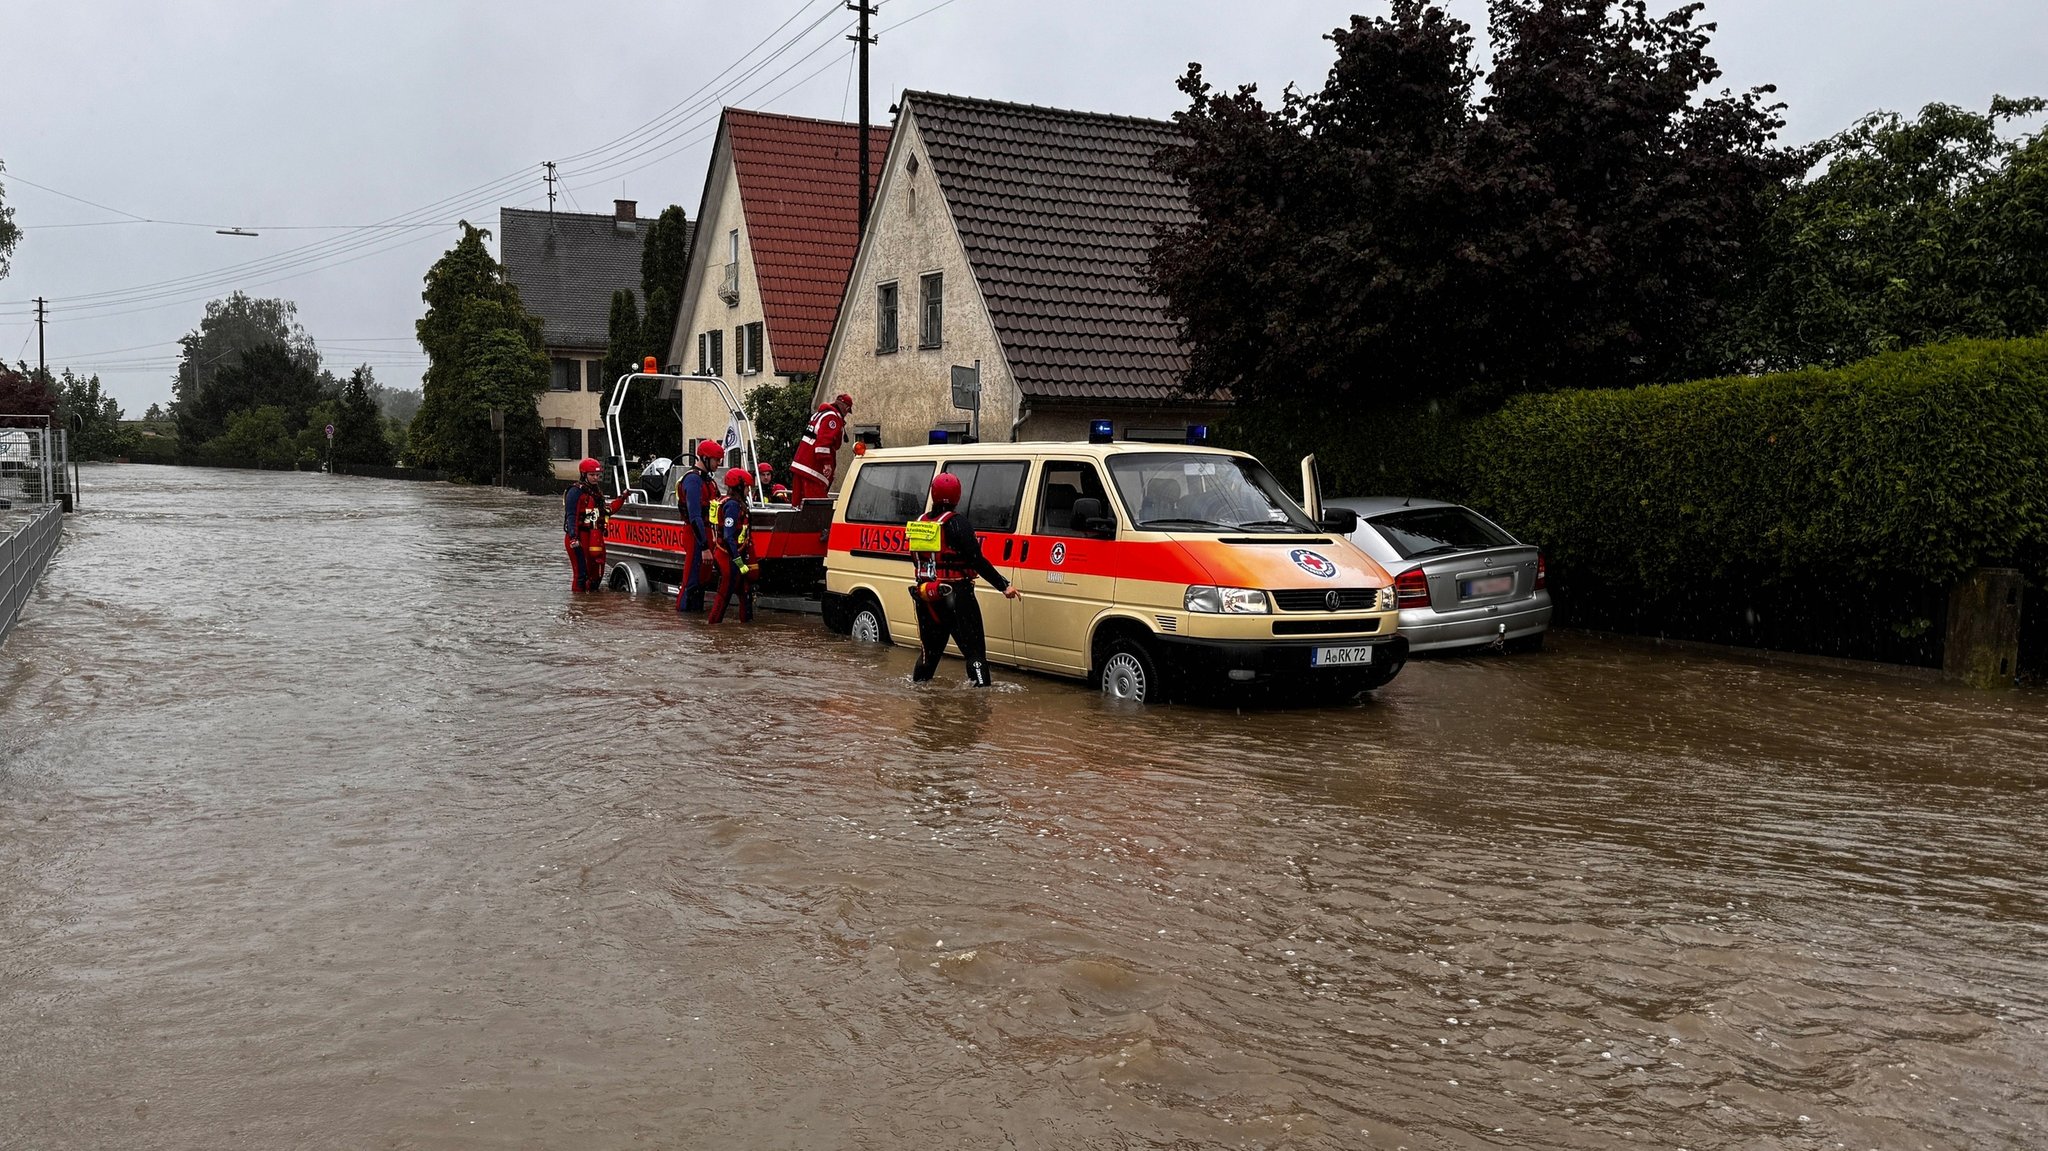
{"type": "Point", "coordinates": [1189, 491]}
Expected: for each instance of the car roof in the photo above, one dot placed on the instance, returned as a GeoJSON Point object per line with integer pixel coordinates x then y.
{"type": "Point", "coordinates": [1073, 449]}
{"type": "Point", "coordinates": [1377, 505]}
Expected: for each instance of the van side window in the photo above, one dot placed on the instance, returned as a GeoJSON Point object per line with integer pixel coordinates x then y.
{"type": "Point", "coordinates": [1059, 485]}
{"type": "Point", "coordinates": [990, 493]}
{"type": "Point", "coordinates": [889, 493]}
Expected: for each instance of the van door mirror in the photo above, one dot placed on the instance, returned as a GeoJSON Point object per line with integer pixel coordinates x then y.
{"type": "Point", "coordinates": [1342, 521]}
{"type": "Point", "coordinates": [1091, 517]}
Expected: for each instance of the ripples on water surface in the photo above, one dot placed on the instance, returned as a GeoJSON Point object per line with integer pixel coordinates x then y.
{"type": "Point", "coordinates": [329, 819]}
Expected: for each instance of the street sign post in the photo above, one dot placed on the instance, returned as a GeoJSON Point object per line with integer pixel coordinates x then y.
{"type": "Point", "coordinates": [967, 393]}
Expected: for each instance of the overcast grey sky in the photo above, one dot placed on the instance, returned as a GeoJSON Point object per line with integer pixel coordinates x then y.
{"type": "Point", "coordinates": [293, 118]}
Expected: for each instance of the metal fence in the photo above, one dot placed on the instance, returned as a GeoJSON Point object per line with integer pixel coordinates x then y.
{"type": "Point", "coordinates": [23, 555]}
{"type": "Point", "coordinates": [35, 463]}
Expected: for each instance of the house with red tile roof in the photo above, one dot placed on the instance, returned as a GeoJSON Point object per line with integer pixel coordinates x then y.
{"type": "Point", "coordinates": [1016, 236]}
{"type": "Point", "coordinates": [776, 234]}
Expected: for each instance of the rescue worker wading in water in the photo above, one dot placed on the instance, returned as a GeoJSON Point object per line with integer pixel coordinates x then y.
{"type": "Point", "coordinates": [944, 591]}
{"type": "Point", "coordinates": [583, 515]}
{"type": "Point", "coordinates": [733, 546]}
{"type": "Point", "coordinates": [694, 493]}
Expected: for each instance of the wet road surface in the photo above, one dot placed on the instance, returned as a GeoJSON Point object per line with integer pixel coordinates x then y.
{"type": "Point", "coordinates": [328, 818]}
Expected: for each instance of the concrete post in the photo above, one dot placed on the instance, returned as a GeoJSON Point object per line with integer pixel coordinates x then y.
{"type": "Point", "coordinates": [1983, 642]}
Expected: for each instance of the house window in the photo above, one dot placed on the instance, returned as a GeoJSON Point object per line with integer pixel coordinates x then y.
{"type": "Point", "coordinates": [711, 353]}
{"type": "Point", "coordinates": [931, 313]}
{"type": "Point", "coordinates": [562, 443]}
{"type": "Point", "coordinates": [869, 434]}
{"type": "Point", "coordinates": [564, 375]}
{"type": "Point", "coordinates": [885, 317]}
{"type": "Point", "coordinates": [600, 444]}
{"type": "Point", "coordinates": [747, 349]}
{"type": "Point", "coordinates": [593, 376]}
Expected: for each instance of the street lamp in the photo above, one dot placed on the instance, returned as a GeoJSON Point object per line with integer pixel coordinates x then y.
{"type": "Point", "coordinates": [498, 426]}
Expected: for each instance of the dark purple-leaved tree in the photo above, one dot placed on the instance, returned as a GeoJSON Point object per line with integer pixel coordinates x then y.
{"type": "Point", "coordinates": [1398, 236]}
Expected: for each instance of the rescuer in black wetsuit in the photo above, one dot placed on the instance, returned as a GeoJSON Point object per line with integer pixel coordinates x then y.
{"type": "Point", "coordinates": [944, 591]}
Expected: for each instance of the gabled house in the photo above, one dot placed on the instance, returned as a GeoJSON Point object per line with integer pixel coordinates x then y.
{"type": "Point", "coordinates": [776, 233]}
{"type": "Point", "coordinates": [566, 266]}
{"type": "Point", "coordinates": [1016, 236]}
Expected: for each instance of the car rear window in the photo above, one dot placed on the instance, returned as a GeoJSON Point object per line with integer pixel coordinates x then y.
{"type": "Point", "coordinates": [1413, 531]}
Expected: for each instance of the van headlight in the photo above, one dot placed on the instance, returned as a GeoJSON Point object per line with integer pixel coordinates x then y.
{"type": "Point", "coordinates": [1227, 600]}
{"type": "Point", "coordinates": [1387, 599]}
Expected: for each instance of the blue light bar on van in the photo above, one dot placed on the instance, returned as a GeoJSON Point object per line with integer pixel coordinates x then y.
{"type": "Point", "coordinates": [1101, 431]}
{"type": "Point", "coordinates": [936, 436]}
{"type": "Point", "coordinates": [1198, 434]}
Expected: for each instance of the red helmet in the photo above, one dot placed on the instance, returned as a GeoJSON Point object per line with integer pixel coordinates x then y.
{"type": "Point", "coordinates": [737, 478]}
{"type": "Point", "coordinates": [779, 492]}
{"type": "Point", "coordinates": [589, 466]}
{"type": "Point", "coordinates": [710, 450]}
{"type": "Point", "coordinates": [946, 488]}
{"type": "Point", "coordinates": [765, 469]}
{"type": "Point", "coordinates": [843, 402]}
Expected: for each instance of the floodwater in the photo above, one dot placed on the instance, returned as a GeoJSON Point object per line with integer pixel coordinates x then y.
{"type": "Point", "coordinates": [329, 819]}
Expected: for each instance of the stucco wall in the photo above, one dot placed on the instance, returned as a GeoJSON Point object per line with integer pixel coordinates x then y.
{"type": "Point", "coordinates": [909, 391]}
{"type": "Point", "coordinates": [704, 310]}
{"type": "Point", "coordinates": [581, 410]}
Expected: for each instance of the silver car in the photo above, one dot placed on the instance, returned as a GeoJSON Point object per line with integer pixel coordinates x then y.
{"type": "Point", "coordinates": [1460, 579]}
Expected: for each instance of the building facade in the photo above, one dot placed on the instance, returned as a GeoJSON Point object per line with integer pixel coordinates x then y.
{"type": "Point", "coordinates": [1015, 236]}
{"type": "Point", "coordinates": [566, 266]}
{"type": "Point", "coordinates": [776, 234]}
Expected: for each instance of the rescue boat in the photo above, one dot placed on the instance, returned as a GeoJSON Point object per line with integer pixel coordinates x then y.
{"type": "Point", "coordinates": [644, 538]}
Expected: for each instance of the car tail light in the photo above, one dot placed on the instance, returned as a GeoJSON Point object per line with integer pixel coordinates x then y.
{"type": "Point", "coordinates": [1411, 588]}
{"type": "Point", "coordinates": [1542, 573]}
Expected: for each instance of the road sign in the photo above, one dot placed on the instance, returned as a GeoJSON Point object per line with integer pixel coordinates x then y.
{"type": "Point", "coordinates": [967, 386]}
{"type": "Point", "coordinates": [330, 431]}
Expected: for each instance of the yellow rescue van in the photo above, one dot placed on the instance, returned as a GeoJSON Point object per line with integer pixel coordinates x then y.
{"type": "Point", "coordinates": [1149, 570]}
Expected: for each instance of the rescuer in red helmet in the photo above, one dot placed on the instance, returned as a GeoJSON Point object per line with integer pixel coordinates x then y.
{"type": "Point", "coordinates": [944, 591]}
{"type": "Point", "coordinates": [583, 518]}
{"type": "Point", "coordinates": [817, 457]}
{"type": "Point", "coordinates": [694, 493]}
{"type": "Point", "coordinates": [733, 547]}
{"type": "Point", "coordinates": [766, 479]}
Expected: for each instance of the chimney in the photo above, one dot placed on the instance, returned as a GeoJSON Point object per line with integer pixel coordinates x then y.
{"type": "Point", "coordinates": [623, 214]}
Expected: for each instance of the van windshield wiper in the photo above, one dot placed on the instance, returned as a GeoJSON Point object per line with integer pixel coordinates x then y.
{"type": "Point", "coordinates": [1184, 523]}
{"type": "Point", "coordinates": [1269, 526]}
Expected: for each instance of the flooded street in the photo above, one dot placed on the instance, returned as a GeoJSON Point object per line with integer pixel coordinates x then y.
{"type": "Point", "coordinates": [328, 819]}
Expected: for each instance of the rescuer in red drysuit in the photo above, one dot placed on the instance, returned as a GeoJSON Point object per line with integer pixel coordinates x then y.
{"type": "Point", "coordinates": [733, 546]}
{"type": "Point", "coordinates": [584, 512]}
{"type": "Point", "coordinates": [817, 457]}
{"type": "Point", "coordinates": [944, 591]}
{"type": "Point", "coordinates": [694, 493]}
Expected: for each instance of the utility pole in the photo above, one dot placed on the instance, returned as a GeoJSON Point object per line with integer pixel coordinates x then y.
{"type": "Point", "coordinates": [42, 314]}
{"type": "Point", "coordinates": [550, 178]}
{"type": "Point", "coordinates": [863, 39]}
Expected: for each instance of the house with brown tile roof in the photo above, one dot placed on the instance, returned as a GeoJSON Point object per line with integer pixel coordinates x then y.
{"type": "Point", "coordinates": [1016, 236]}
{"type": "Point", "coordinates": [776, 233]}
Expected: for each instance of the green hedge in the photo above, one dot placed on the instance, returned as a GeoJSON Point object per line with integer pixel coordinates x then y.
{"type": "Point", "coordinates": [1913, 467]}
{"type": "Point", "coordinates": [1818, 510]}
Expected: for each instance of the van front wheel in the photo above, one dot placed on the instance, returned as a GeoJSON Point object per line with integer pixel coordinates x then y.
{"type": "Point", "coordinates": [1129, 673]}
{"type": "Point", "coordinates": [869, 624]}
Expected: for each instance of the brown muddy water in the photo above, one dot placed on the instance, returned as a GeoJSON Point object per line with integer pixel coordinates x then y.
{"type": "Point", "coordinates": [328, 819]}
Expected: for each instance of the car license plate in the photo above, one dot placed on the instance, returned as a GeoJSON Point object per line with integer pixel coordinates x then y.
{"type": "Point", "coordinates": [1491, 585]}
{"type": "Point", "coordinates": [1339, 656]}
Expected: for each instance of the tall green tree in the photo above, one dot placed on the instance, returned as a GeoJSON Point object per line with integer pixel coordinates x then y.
{"type": "Point", "coordinates": [648, 422]}
{"type": "Point", "coordinates": [483, 351]}
{"type": "Point", "coordinates": [359, 436]}
{"type": "Point", "coordinates": [230, 329]}
{"type": "Point", "coordinates": [272, 374]}
{"type": "Point", "coordinates": [257, 437]}
{"type": "Point", "coordinates": [1907, 232]}
{"type": "Point", "coordinates": [10, 232]}
{"type": "Point", "coordinates": [1396, 236]}
{"type": "Point", "coordinates": [93, 417]}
